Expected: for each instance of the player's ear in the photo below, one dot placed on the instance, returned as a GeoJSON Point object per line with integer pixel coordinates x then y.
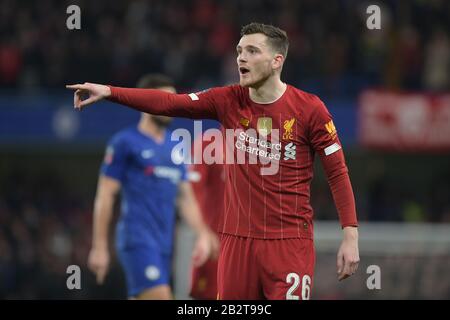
{"type": "Point", "coordinates": [277, 61]}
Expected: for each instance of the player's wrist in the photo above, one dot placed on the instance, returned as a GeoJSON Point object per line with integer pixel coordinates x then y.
{"type": "Point", "coordinates": [350, 233]}
{"type": "Point", "coordinates": [100, 246]}
{"type": "Point", "coordinates": [107, 92]}
{"type": "Point", "coordinates": [203, 231]}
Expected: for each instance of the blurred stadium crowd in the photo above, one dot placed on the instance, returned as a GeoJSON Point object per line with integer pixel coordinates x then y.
{"type": "Point", "coordinates": [331, 52]}
{"type": "Point", "coordinates": [193, 41]}
{"type": "Point", "coordinates": [44, 228]}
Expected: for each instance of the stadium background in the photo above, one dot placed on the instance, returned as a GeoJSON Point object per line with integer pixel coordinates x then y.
{"type": "Point", "coordinates": [50, 154]}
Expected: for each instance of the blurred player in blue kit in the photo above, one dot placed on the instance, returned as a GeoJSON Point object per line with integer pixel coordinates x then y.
{"type": "Point", "coordinates": [139, 163]}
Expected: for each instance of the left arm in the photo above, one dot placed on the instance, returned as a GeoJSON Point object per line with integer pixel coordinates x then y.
{"type": "Point", "coordinates": [324, 140]}
{"type": "Point", "coordinates": [207, 243]}
{"type": "Point", "coordinates": [341, 189]}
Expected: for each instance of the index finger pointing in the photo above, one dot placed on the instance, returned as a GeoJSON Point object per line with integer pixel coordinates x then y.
{"type": "Point", "coordinates": [75, 86]}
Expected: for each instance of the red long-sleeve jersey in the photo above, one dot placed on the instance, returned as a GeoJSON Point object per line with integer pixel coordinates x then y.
{"type": "Point", "coordinates": [289, 132]}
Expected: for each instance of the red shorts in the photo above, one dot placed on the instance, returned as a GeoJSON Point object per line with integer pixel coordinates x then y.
{"type": "Point", "coordinates": [204, 281]}
{"type": "Point", "coordinates": [265, 269]}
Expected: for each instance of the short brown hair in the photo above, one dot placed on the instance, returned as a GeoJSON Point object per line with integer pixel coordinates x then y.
{"type": "Point", "coordinates": [154, 81]}
{"type": "Point", "coordinates": [277, 38]}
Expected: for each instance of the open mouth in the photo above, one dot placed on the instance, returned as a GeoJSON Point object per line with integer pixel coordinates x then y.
{"type": "Point", "coordinates": [243, 70]}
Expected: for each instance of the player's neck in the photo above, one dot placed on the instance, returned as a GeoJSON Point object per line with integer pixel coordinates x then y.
{"type": "Point", "coordinates": [152, 130]}
{"type": "Point", "coordinates": [270, 91]}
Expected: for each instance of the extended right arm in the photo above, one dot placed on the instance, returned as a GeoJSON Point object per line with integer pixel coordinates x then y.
{"type": "Point", "coordinates": [148, 100]}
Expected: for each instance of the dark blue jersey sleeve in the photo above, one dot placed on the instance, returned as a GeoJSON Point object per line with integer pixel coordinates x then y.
{"type": "Point", "coordinates": [115, 160]}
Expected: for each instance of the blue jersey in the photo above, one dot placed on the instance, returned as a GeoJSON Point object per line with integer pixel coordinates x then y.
{"type": "Point", "coordinates": [149, 186]}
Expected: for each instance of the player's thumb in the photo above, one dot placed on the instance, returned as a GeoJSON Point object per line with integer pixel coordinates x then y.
{"type": "Point", "coordinates": [89, 101]}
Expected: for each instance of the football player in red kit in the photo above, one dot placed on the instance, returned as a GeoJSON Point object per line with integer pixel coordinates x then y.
{"type": "Point", "coordinates": [266, 249]}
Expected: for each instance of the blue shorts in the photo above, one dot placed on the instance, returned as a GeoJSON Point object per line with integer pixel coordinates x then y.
{"type": "Point", "coordinates": [145, 267]}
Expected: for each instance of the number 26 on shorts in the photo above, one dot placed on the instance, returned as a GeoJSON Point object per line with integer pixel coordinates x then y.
{"type": "Point", "coordinates": [294, 278]}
